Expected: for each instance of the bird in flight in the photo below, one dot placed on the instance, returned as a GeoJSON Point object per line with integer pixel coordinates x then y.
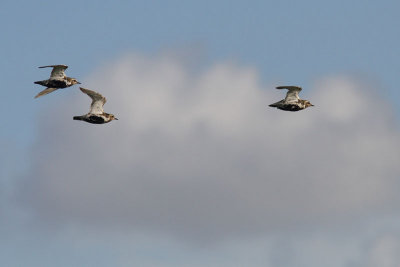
{"type": "Point", "coordinates": [96, 114]}
{"type": "Point", "coordinates": [292, 102]}
{"type": "Point", "coordinates": [57, 80]}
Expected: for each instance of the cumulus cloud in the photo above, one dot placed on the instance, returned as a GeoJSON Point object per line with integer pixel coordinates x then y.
{"type": "Point", "coordinates": [201, 155]}
{"type": "Point", "coordinates": [385, 251]}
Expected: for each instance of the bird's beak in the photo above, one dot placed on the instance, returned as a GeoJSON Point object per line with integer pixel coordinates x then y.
{"type": "Point", "coordinates": [115, 118]}
{"type": "Point", "coordinates": [78, 82]}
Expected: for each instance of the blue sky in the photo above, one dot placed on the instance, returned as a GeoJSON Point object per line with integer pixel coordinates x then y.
{"type": "Point", "coordinates": [311, 43]}
{"type": "Point", "coordinates": [290, 41]}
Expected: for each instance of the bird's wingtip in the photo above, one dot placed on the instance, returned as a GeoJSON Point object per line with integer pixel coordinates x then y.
{"type": "Point", "coordinates": [52, 66]}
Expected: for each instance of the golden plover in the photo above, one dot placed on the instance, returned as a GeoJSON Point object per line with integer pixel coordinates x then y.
{"type": "Point", "coordinates": [96, 114]}
{"type": "Point", "coordinates": [57, 80]}
{"type": "Point", "coordinates": [292, 102]}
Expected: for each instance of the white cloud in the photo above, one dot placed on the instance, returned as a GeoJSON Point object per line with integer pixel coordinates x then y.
{"type": "Point", "coordinates": [202, 156]}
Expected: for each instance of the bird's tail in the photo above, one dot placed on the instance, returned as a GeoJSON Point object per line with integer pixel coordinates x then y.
{"type": "Point", "coordinates": [78, 118]}
{"type": "Point", "coordinates": [44, 83]}
{"type": "Point", "coordinates": [274, 105]}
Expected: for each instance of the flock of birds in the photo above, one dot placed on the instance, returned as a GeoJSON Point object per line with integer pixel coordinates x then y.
{"type": "Point", "coordinates": [96, 115]}
{"type": "Point", "coordinates": [58, 80]}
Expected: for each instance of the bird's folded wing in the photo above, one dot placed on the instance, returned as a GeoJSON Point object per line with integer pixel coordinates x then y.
{"type": "Point", "coordinates": [58, 71]}
{"type": "Point", "coordinates": [98, 101]}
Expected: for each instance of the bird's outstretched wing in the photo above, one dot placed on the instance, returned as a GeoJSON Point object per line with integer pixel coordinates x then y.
{"type": "Point", "coordinates": [98, 101]}
{"type": "Point", "coordinates": [46, 91]}
{"type": "Point", "coordinates": [58, 71]}
{"type": "Point", "coordinates": [293, 94]}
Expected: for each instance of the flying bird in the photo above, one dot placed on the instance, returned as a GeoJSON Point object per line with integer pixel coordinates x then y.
{"type": "Point", "coordinates": [292, 102]}
{"type": "Point", "coordinates": [96, 114]}
{"type": "Point", "coordinates": [57, 80]}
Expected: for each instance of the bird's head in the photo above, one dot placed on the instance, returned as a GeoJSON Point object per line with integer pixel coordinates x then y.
{"type": "Point", "coordinates": [308, 104]}
{"type": "Point", "coordinates": [73, 81]}
{"type": "Point", "coordinates": [112, 117]}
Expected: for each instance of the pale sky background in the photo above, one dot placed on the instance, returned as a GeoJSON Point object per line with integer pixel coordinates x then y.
{"type": "Point", "coordinates": [198, 170]}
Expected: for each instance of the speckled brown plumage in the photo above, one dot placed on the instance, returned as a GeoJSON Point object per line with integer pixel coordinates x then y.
{"type": "Point", "coordinates": [96, 114]}
{"type": "Point", "coordinates": [292, 102]}
{"type": "Point", "coordinates": [57, 80]}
